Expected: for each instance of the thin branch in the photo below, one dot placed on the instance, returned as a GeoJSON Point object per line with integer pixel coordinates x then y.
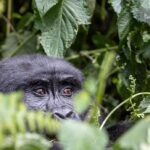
{"type": "Point", "coordinates": [8, 22]}
{"type": "Point", "coordinates": [94, 52]}
{"type": "Point", "coordinates": [9, 11]}
{"type": "Point", "coordinates": [11, 26]}
{"type": "Point", "coordinates": [121, 104]}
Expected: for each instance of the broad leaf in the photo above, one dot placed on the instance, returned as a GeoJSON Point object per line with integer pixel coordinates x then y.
{"type": "Point", "coordinates": [141, 10]}
{"type": "Point", "coordinates": [60, 24]}
{"type": "Point", "coordinates": [117, 5]}
{"type": "Point", "coordinates": [124, 23]}
{"type": "Point", "coordinates": [136, 138]}
{"type": "Point", "coordinates": [80, 136]}
{"type": "Point", "coordinates": [44, 6]}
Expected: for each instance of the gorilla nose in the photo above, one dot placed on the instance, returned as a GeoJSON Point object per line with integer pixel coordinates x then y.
{"type": "Point", "coordinates": [65, 114]}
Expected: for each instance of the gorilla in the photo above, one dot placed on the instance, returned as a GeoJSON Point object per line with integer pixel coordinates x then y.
{"type": "Point", "coordinates": [49, 85]}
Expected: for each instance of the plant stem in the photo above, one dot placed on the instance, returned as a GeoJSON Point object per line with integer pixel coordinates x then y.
{"type": "Point", "coordinates": [96, 51]}
{"type": "Point", "coordinates": [11, 26]}
{"type": "Point", "coordinates": [9, 11]}
{"type": "Point", "coordinates": [103, 10]}
{"type": "Point", "coordinates": [103, 75]}
{"type": "Point", "coordinates": [121, 104]}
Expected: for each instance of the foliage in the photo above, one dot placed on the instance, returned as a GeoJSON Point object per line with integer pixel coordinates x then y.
{"type": "Point", "coordinates": [110, 42]}
{"type": "Point", "coordinates": [132, 140]}
{"type": "Point", "coordinates": [80, 141]}
{"type": "Point", "coordinates": [18, 120]}
{"type": "Point", "coordinates": [58, 22]}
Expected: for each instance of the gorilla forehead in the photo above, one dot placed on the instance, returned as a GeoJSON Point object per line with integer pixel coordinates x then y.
{"type": "Point", "coordinates": [23, 68]}
{"type": "Point", "coordinates": [50, 66]}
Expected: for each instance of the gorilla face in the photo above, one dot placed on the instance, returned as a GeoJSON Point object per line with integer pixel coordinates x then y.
{"type": "Point", "coordinates": [49, 83]}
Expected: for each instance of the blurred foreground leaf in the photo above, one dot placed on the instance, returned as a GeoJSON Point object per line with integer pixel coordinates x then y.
{"type": "Point", "coordinates": [18, 125]}
{"type": "Point", "coordinates": [81, 136]}
{"type": "Point", "coordinates": [84, 98]}
{"type": "Point", "coordinates": [136, 138]}
{"type": "Point", "coordinates": [26, 141]}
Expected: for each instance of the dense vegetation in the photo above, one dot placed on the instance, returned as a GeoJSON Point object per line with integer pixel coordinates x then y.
{"type": "Point", "coordinates": [109, 41]}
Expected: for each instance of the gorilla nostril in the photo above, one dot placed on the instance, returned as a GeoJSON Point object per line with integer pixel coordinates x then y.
{"type": "Point", "coordinates": [59, 116]}
{"type": "Point", "coordinates": [63, 115]}
{"type": "Point", "coordinates": [70, 114]}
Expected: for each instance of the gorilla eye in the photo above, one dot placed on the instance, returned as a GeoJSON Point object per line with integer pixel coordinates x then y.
{"type": "Point", "coordinates": [40, 92]}
{"type": "Point", "coordinates": [67, 92]}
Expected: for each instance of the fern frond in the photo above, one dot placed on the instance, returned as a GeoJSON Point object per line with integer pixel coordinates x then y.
{"type": "Point", "coordinates": [16, 118]}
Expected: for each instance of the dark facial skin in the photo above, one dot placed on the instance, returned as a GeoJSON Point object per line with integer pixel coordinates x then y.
{"type": "Point", "coordinates": [49, 84]}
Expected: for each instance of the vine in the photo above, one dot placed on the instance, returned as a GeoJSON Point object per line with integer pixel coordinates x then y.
{"type": "Point", "coordinates": [121, 104]}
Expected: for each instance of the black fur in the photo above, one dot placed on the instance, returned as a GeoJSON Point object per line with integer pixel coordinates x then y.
{"type": "Point", "coordinates": [28, 73]}
{"type": "Point", "coordinates": [17, 72]}
{"type": "Point", "coordinates": [116, 130]}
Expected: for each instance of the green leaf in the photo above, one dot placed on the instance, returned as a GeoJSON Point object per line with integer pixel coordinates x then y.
{"type": "Point", "coordinates": [145, 104]}
{"type": "Point", "coordinates": [60, 24]}
{"type": "Point", "coordinates": [20, 120]}
{"type": "Point", "coordinates": [141, 10]}
{"type": "Point", "coordinates": [81, 136]}
{"type": "Point", "coordinates": [2, 8]}
{"type": "Point", "coordinates": [19, 44]}
{"type": "Point", "coordinates": [82, 101]}
{"type": "Point", "coordinates": [91, 4]}
{"type": "Point", "coordinates": [27, 141]}
{"type": "Point", "coordinates": [44, 6]}
{"type": "Point", "coordinates": [146, 51]}
{"type": "Point", "coordinates": [117, 5]}
{"type": "Point", "coordinates": [30, 141]}
{"type": "Point", "coordinates": [136, 138]}
{"type": "Point", "coordinates": [25, 21]}
{"type": "Point", "coordinates": [124, 23]}
{"type": "Point", "coordinates": [146, 37]}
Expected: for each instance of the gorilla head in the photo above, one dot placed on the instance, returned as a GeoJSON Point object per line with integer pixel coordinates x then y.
{"type": "Point", "coordinates": [49, 83]}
